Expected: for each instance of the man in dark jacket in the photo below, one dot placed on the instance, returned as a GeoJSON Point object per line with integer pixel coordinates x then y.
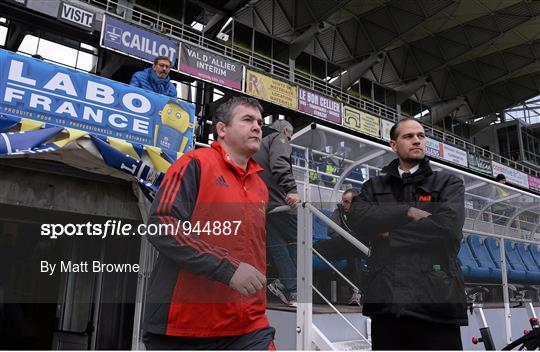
{"type": "Point", "coordinates": [275, 158]}
{"type": "Point", "coordinates": [156, 78]}
{"type": "Point", "coordinates": [413, 219]}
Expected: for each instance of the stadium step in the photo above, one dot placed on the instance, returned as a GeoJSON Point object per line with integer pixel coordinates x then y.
{"type": "Point", "coordinates": [352, 345]}
{"type": "Point", "coordinates": [332, 328]}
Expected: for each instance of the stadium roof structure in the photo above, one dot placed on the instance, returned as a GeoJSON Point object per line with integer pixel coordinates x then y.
{"type": "Point", "coordinates": [471, 58]}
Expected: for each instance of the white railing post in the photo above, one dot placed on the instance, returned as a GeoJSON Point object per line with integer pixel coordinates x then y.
{"type": "Point", "coordinates": [506, 296]}
{"type": "Point", "coordinates": [304, 264]}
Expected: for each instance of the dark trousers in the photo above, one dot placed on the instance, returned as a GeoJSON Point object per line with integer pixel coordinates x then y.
{"type": "Point", "coordinates": [339, 248]}
{"type": "Point", "coordinates": [262, 339]}
{"type": "Point", "coordinates": [281, 234]}
{"type": "Point", "coordinates": [388, 332]}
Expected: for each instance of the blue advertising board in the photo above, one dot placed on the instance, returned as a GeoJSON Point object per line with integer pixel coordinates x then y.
{"type": "Point", "coordinates": [61, 96]}
{"type": "Point", "coordinates": [134, 41]}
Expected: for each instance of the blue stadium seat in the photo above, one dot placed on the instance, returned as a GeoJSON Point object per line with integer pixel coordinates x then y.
{"type": "Point", "coordinates": [320, 232]}
{"type": "Point", "coordinates": [516, 262]}
{"type": "Point", "coordinates": [320, 229]}
{"type": "Point", "coordinates": [534, 249]}
{"type": "Point", "coordinates": [467, 263]}
{"type": "Point", "coordinates": [484, 260]}
{"type": "Point", "coordinates": [461, 259]}
{"type": "Point", "coordinates": [526, 256]}
{"type": "Point", "coordinates": [514, 275]}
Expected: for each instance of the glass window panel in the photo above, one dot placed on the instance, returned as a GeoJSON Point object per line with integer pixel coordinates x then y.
{"type": "Point", "coordinates": [57, 52]}
{"type": "Point", "coordinates": [29, 45]}
{"type": "Point", "coordinates": [3, 35]}
{"type": "Point", "coordinates": [89, 47]}
{"type": "Point", "coordinates": [86, 62]}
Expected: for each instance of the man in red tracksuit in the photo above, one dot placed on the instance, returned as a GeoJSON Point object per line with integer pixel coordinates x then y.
{"type": "Point", "coordinates": [207, 289]}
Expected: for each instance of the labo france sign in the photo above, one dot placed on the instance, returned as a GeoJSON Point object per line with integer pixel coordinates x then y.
{"type": "Point", "coordinates": [61, 96]}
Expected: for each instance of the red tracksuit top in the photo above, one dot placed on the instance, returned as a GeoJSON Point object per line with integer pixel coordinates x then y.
{"type": "Point", "coordinates": [188, 293]}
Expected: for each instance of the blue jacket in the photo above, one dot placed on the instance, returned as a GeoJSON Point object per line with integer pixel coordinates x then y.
{"type": "Point", "coordinates": [148, 79]}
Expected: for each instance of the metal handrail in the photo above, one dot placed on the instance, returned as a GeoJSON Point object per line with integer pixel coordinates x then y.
{"type": "Point", "coordinates": [336, 270]}
{"type": "Point", "coordinates": [179, 30]}
{"type": "Point", "coordinates": [283, 208]}
{"type": "Point", "coordinates": [503, 263]}
{"type": "Point", "coordinates": [362, 247]}
{"type": "Point", "coordinates": [305, 325]}
{"type": "Point", "coordinates": [340, 314]}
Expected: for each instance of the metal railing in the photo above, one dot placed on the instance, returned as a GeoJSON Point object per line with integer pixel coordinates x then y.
{"type": "Point", "coordinates": [307, 332]}
{"type": "Point", "coordinates": [504, 275]}
{"type": "Point", "coordinates": [305, 250]}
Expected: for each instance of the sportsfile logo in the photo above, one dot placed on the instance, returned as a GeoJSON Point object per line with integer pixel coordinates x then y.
{"type": "Point", "coordinates": [120, 228]}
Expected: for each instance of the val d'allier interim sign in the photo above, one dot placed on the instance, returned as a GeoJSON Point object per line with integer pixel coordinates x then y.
{"type": "Point", "coordinates": [210, 67]}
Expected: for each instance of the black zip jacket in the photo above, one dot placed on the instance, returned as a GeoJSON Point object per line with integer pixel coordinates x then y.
{"type": "Point", "coordinates": [275, 158]}
{"type": "Point", "coordinates": [413, 271]}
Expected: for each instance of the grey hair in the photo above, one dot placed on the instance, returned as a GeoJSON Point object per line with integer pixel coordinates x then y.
{"type": "Point", "coordinates": [281, 125]}
{"type": "Point", "coordinates": [224, 112]}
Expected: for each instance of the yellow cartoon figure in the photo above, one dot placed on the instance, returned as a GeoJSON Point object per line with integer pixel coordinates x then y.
{"type": "Point", "coordinates": [173, 133]}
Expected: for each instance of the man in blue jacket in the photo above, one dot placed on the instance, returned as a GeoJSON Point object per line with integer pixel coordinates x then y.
{"type": "Point", "coordinates": [156, 78]}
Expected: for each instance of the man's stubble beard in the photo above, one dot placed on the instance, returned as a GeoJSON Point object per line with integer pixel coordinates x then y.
{"type": "Point", "coordinates": [410, 159]}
